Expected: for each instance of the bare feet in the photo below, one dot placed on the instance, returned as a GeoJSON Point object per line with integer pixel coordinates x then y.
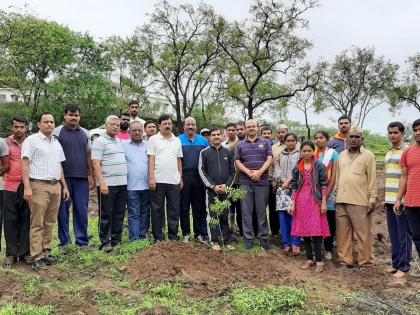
{"type": "Point", "coordinates": [400, 274]}
{"type": "Point", "coordinates": [391, 270]}
{"type": "Point", "coordinates": [216, 247]}
{"type": "Point", "coordinates": [319, 267]}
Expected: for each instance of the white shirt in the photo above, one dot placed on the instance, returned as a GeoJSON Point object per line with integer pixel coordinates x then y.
{"type": "Point", "coordinates": [142, 121]}
{"type": "Point", "coordinates": [226, 143]}
{"type": "Point", "coordinates": [166, 152]}
{"type": "Point", "coordinates": [45, 156]}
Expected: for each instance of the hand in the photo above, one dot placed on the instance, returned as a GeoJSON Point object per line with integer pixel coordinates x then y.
{"type": "Point", "coordinates": [223, 187]}
{"type": "Point", "coordinates": [218, 189]}
{"type": "Point", "coordinates": [286, 184]}
{"type": "Point", "coordinates": [152, 183]}
{"type": "Point", "coordinates": [92, 182]}
{"type": "Point", "coordinates": [383, 205]}
{"type": "Point", "coordinates": [181, 184]}
{"type": "Point", "coordinates": [371, 207]}
{"type": "Point", "coordinates": [256, 176]}
{"type": "Point", "coordinates": [27, 194]}
{"type": "Point", "coordinates": [397, 207]}
{"type": "Point", "coordinates": [323, 207]}
{"type": "Point", "coordinates": [66, 194]}
{"type": "Point", "coordinates": [292, 208]}
{"type": "Point", "coordinates": [104, 189]}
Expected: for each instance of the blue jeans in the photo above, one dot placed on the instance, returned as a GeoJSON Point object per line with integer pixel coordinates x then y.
{"type": "Point", "coordinates": [138, 204]}
{"type": "Point", "coordinates": [79, 197]}
{"type": "Point", "coordinates": [286, 230]}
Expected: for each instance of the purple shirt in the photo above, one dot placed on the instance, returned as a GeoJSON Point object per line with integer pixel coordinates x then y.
{"type": "Point", "coordinates": [253, 155]}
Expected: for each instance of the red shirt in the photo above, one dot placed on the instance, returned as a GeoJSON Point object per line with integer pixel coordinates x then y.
{"type": "Point", "coordinates": [411, 160]}
{"type": "Point", "coordinates": [13, 178]}
{"type": "Point", "coordinates": [123, 135]}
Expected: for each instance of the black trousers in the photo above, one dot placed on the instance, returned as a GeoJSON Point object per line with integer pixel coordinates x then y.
{"type": "Point", "coordinates": [316, 241]}
{"type": "Point", "coordinates": [193, 195]}
{"type": "Point", "coordinates": [413, 214]}
{"type": "Point", "coordinates": [16, 223]}
{"type": "Point", "coordinates": [273, 216]}
{"type": "Point", "coordinates": [171, 194]}
{"type": "Point", "coordinates": [111, 214]}
{"type": "Point", "coordinates": [218, 233]}
{"type": "Point", "coordinates": [1, 213]}
{"type": "Point", "coordinates": [329, 241]}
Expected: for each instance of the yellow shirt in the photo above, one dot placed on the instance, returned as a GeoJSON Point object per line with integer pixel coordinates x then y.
{"type": "Point", "coordinates": [356, 178]}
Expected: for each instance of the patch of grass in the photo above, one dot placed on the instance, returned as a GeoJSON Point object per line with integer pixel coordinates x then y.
{"type": "Point", "coordinates": [241, 247]}
{"type": "Point", "coordinates": [14, 308]}
{"type": "Point", "coordinates": [166, 290]}
{"type": "Point", "coordinates": [269, 300]}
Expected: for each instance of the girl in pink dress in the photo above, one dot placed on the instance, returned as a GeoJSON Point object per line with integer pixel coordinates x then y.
{"type": "Point", "coordinates": [309, 205]}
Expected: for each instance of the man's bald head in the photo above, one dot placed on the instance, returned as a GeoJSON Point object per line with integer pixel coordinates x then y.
{"type": "Point", "coordinates": [251, 128]}
{"type": "Point", "coordinates": [190, 126]}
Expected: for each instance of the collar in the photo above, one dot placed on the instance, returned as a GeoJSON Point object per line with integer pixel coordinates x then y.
{"type": "Point", "coordinates": [159, 134]}
{"type": "Point", "coordinates": [142, 141]}
{"type": "Point", "coordinates": [257, 139]}
{"type": "Point", "coordinates": [43, 137]}
{"type": "Point", "coordinates": [339, 136]}
{"type": "Point", "coordinates": [401, 146]}
{"type": "Point", "coordinates": [107, 136]}
{"type": "Point", "coordinates": [13, 140]}
{"type": "Point", "coordinates": [213, 147]}
{"type": "Point", "coordinates": [361, 150]}
{"type": "Point", "coordinates": [188, 138]}
{"type": "Point", "coordinates": [67, 128]}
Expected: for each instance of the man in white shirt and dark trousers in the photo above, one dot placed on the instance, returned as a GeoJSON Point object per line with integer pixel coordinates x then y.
{"type": "Point", "coordinates": [42, 174]}
{"type": "Point", "coordinates": [165, 179]}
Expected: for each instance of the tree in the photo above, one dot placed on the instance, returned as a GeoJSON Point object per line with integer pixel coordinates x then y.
{"type": "Point", "coordinates": [181, 51]}
{"type": "Point", "coordinates": [356, 83]}
{"type": "Point", "coordinates": [408, 89]}
{"type": "Point", "coordinates": [263, 51]}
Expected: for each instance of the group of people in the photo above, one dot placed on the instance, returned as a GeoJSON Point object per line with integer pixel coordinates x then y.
{"type": "Point", "coordinates": [314, 191]}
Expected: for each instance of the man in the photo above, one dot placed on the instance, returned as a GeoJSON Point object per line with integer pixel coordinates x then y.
{"type": "Point", "coordinates": [355, 201]}
{"type": "Point", "coordinates": [138, 202]}
{"type": "Point", "coordinates": [410, 186]}
{"type": "Point", "coordinates": [150, 129]}
{"type": "Point", "coordinates": [124, 124]}
{"type": "Point", "coordinates": [16, 209]}
{"type": "Point", "coordinates": [340, 141]}
{"type": "Point", "coordinates": [165, 179]}
{"type": "Point", "coordinates": [398, 227]}
{"type": "Point", "coordinates": [253, 158]}
{"type": "Point", "coordinates": [42, 174]}
{"type": "Point", "coordinates": [193, 193]}
{"type": "Point", "coordinates": [217, 171]}
{"type": "Point", "coordinates": [4, 167]}
{"type": "Point", "coordinates": [205, 132]}
{"type": "Point", "coordinates": [133, 109]}
{"type": "Point", "coordinates": [110, 167]}
{"type": "Point", "coordinates": [231, 135]}
{"type": "Point", "coordinates": [78, 172]}
{"type": "Point", "coordinates": [266, 133]}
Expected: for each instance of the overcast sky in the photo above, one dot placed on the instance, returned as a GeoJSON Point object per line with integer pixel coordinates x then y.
{"type": "Point", "coordinates": [390, 26]}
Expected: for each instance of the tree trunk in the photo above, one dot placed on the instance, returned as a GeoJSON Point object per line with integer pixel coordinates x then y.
{"type": "Point", "coordinates": [250, 109]}
{"type": "Point", "coordinates": [307, 125]}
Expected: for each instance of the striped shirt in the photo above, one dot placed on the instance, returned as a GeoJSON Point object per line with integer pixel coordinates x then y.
{"type": "Point", "coordinates": [411, 160]}
{"type": "Point", "coordinates": [45, 156]}
{"type": "Point", "coordinates": [393, 172]}
{"type": "Point", "coordinates": [110, 152]}
{"type": "Point", "coordinates": [253, 156]}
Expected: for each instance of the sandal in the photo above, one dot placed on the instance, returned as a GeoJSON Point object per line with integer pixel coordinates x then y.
{"type": "Point", "coordinates": [319, 267]}
{"type": "Point", "coordinates": [296, 250]}
{"type": "Point", "coordinates": [287, 249]}
{"type": "Point", "coordinates": [8, 262]}
{"type": "Point", "coordinates": [308, 264]}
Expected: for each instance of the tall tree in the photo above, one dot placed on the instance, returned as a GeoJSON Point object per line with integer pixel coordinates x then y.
{"type": "Point", "coordinates": [408, 88]}
{"type": "Point", "coordinates": [180, 49]}
{"type": "Point", "coordinates": [357, 82]}
{"type": "Point", "coordinates": [265, 50]}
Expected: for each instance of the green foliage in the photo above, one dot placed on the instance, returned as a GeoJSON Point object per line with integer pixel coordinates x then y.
{"type": "Point", "coordinates": [166, 290]}
{"type": "Point", "coordinates": [219, 206]}
{"type": "Point", "coordinates": [15, 308]}
{"type": "Point", "coordinates": [7, 112]}
{"type": "Point", "coordinates": [269, 300]}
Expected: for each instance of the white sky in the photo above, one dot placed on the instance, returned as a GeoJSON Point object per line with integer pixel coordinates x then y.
{"type": "Point", "coordinates": [388, 25]}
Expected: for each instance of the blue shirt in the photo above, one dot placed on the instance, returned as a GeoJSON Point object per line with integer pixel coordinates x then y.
{"type": "Point", "coordinates": [137, 165]}
{"type": "Point", "coordinates": [191, 152]}
{"type": "Point", "coordinates": [75, 144]}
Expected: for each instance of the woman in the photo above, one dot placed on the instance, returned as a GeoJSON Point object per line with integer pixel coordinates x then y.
{"type": "Point", "coordinates": [282, 175]}
{"type": "Point", "coordinates": [328, 157]}
{"type": "Point", "coordinates": [309, 205]}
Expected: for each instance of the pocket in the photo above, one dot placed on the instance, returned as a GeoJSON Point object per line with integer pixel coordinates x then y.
{"type": "Point", "coordinates": [358, 168]}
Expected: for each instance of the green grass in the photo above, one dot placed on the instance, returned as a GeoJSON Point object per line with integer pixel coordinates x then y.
{"type": "Point", "coordinates": [15, 308]}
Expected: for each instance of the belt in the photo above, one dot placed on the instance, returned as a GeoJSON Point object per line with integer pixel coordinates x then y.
{"type": "Point", "coordinates": [46, 181]}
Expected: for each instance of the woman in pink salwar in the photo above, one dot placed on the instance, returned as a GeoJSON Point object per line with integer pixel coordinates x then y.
{"type": "Point", "coordinates": [309, 205]}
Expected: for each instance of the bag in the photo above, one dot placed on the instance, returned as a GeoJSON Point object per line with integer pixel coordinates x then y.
{"type": "Point", "coordinates": [283, 199]}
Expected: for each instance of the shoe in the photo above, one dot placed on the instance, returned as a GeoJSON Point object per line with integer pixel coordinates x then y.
{"type": "Point", "coordinates": [200, 239]}
{"type": "Point", "coordinates": [39, 265]}
{"type": "Point", "coordinates": [287, 250]}
{"type": "Point", "coordinates": [186, 238]}
{"type": "Point", "coordinates": [8, 262]}
{"type": "Point", "coordinates": [308, 264]}
{"type": "Point", "coordinates": [51, 260]}
{"type": "Point", "coordinates": [296, 250]}
{"type": "Point", "coordinates": [264, 245]}
{"type": "Point", "coordinates": [107, 248]}
{"type": "Point", "coordinates": [319, 267]}
{"type": "Point", "coordinates": [328, 256]}
{"type": "Point", "coordinates": [249, 245]}
{"type": "Point", "coordinates": [27, 259]}
{"type": "Point", "coordinates": [344, 266]}
{"type": "Point", "coordinates": [230, 247]}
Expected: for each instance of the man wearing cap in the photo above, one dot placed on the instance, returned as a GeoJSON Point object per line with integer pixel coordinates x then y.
{"type": "Point", "coordinates": [205, 132]}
